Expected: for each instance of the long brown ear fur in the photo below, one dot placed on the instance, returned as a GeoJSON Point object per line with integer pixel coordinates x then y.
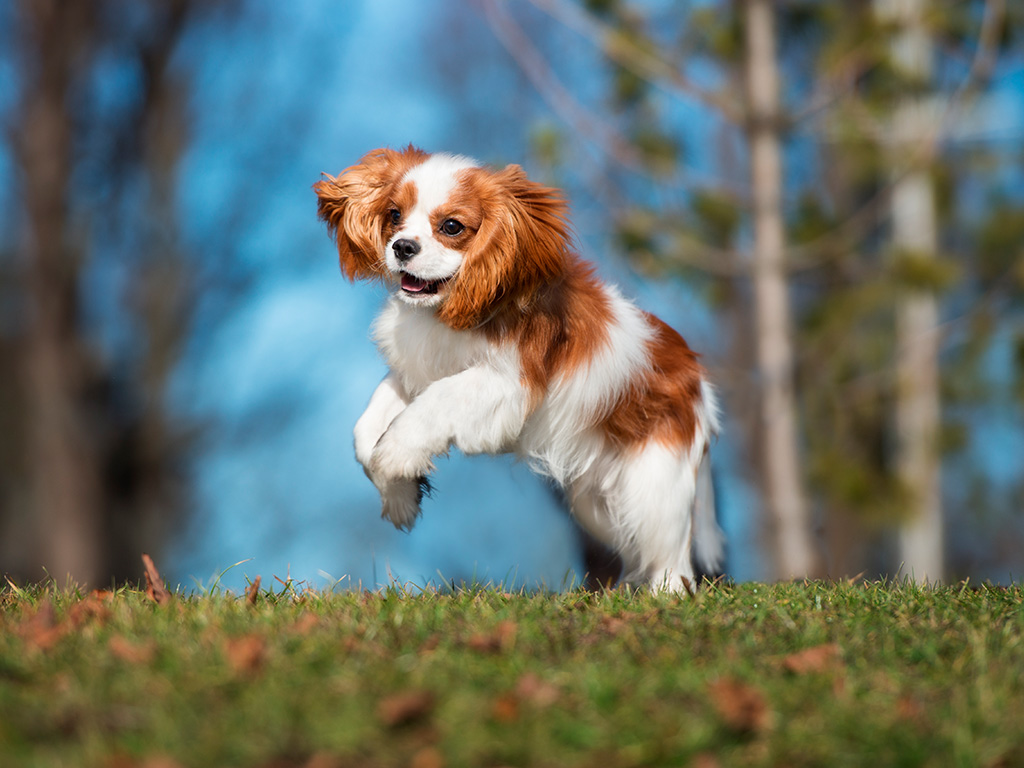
{"type": "Point", "coordinates": [522, 244]}
{"type": "Point", "coordinates": [353, 204]}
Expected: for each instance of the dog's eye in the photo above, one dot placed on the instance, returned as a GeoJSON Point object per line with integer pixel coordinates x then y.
{"type": "Point", "coordinates": [395, 215]}
{"type": "Point", "coordinates": [452, 227]}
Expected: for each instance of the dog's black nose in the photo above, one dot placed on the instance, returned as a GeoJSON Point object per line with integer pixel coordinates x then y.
{"type": "Point", "coordinates": [405, 249]}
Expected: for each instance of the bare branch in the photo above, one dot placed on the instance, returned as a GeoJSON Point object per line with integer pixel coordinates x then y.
{"type": "Point", "coordinates": [554, 93]}
{"type": "Point", "coordinates": [643, 63]}
{"type": "Point", "coordinates": [561, 100]}
{"type": "Point", "coordinates": [988, 42]}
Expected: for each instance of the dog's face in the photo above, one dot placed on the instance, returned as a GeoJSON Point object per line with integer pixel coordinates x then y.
{"type": "Point", "coordinates": [445, 232]}
{"type": "Point", "coordinates": [433, 219]}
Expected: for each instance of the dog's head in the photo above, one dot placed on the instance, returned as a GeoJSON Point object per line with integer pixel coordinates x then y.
{"type": "Point", "coordinates": [446, 232]}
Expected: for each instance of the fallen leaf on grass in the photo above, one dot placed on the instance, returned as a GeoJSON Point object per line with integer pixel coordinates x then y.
{"type": "Point", "coordinates": [252, 592]}
{"type": "Point", "coordinates": [41, 628]}
{"type": "Point", "coordinates": [539, 693]}
{"type": "Point", "coordinates": [741, 706]}
{"type": "Point", "coordinates": [820, 658]}
{"type": "Point", "coordinates": [910, 709]}
{"type": "Point", "coordinates": [246, 654]}
{"type": "Point", "coordinates": [155, 588]}
{"type": "Point", "coordinates": [323, 760]}
{"type": "Point", "coordinates": [316, 760]}
{"type": "Point", "coordinates": [157, 761]}
{"type": "Point", "coordinates": [506, 708]}
{"type": "Point", "coordinates": [705, 760]}
{"type": "Point", "coordinates": [501, 639]}
{"type": "Point", "coordinates": [405, 708]}
{"type": "Point", "coordinates": [428, 757]}
{"type": "Point", "coordinates": [93, 608]}
{"type": "Point", "coordinates": [306, 623]}
{"type": "Point", "coordinates": [132, 653]}
{"type": "Point", "coordinates": [614, 625]}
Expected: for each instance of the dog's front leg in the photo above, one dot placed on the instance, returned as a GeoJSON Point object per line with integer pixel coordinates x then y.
{"type": "Point", "coordinates": [480, 410]}
{"type": "Point", "coordinates": [388, 400]}
{"type": "Point", "coordinates": [400, 497]}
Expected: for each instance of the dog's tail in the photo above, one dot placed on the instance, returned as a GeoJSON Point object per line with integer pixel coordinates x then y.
{"type": "Point", "coordinates": [708, 538]}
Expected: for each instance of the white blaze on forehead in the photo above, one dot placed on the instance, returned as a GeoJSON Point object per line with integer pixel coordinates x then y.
{"type": "Point", "coordinates": [435, 178]}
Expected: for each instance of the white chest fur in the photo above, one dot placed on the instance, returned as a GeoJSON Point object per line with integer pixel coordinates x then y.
{"type": "Point", "coordinates": [420, 350]}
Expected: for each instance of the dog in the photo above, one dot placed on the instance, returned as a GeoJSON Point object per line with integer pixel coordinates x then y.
{"type": "Point", "coordinates": [500, 338]}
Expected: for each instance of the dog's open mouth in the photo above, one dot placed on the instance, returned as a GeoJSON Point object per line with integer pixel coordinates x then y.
{"type": "Point", "coordinates": [418, 287]}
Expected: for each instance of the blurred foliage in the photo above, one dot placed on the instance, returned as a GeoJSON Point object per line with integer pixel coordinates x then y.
{"type": "Point", "coordinates": [716, 216]}
{"type": "Point", "coordinates": [916, 271]}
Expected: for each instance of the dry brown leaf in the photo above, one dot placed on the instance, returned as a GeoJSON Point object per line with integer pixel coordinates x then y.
{"type": "Point", "coordinates": [41, 628]}
{"type": "Point", "coordinates": [741, 706]}
{"type": "Point", "coordinates": [155, 588]}
{"type": "Point", "coordinates": [428, 757]}
{"type": "Point", "coordinates": [501, 639]}
{"type": "Point", "coordinates": [506, 708]}
{"type": "Point", "coordinates": [613, 625]}
{"type": "Point", "coordinates": [405, 708]}
{"type": "Point", "coordinates": [246, 654]}
{"type": "Point", "coordinates": [537, 692]}
{"type": "Point", "coordinates": [160, 762]}
{"type": "Point", "coordinates": [431, 643]}
{"type": "Point", "coordinates": [91, 608]}
{"type": "Point", "coordinates": [252, 592]}
{"type": "Point", "coordinates": [130, 652]}
{"type": "Point", "coordinates": [323, 760]}
{"type": "Point", "coordinates": [153, 761]}
{"type": "Point", "coordinates": [705, 760]}
{"type": "Point", "coordinates": [306, 623]}
{"type": "Point", "coordinates": [817, 659]}
{"type": "Point", "coordinates": [910, 709]}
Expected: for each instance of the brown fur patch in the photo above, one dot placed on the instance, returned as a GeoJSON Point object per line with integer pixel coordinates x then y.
{"type": "Point", "coordinates": [558, 329]}
{"type": "Point", "coordinates": [662, 403]}
{"type": "Point", "coordinates": [521, 244]}
{"type": "Point", "coordinates": [354, 207]}
{"type": "Point", "coordinates": [404, 199]}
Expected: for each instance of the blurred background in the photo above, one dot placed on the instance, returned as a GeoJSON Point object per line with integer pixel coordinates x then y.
{"type": "Point", "coordinates": [826, 198]}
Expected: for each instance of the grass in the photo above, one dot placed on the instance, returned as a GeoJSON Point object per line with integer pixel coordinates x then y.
{"type": "Point", "coordinates": [808, 674]}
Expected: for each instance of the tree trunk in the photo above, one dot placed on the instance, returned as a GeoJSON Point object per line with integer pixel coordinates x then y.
{"type": "Point", "coordinates": [64, 463]}
{"type": "Point", "coordinates": [914, 235]}
{"type": "Point", "coordinates": [779, 450]}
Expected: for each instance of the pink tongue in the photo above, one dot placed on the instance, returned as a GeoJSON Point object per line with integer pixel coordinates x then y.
{"type": "Point", "coordinates": [414, 284]}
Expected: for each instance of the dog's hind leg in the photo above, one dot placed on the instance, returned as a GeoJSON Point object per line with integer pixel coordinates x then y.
{"type": "Point", "coordinates": [650, 498]}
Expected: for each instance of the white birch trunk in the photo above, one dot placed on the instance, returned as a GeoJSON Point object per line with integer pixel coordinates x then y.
{"type": "Point", "coordinates": [779, 450]}
{"type": "Point", "coordinates": [918, 410]}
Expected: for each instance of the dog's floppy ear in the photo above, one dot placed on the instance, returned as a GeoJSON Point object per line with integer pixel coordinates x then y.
{"type": "Point", "coordinates": [353, 206]}
{"type": "Point", "coordinates": [523, 242]}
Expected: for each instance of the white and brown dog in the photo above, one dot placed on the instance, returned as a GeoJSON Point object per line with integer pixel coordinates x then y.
{"type": "Point", "coordinates": [499, 338]}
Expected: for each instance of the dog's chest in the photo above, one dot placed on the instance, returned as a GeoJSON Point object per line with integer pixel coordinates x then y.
{"type": "Point", "coordinates": [420, 349]}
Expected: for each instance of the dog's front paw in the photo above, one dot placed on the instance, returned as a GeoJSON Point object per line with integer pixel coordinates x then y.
{"type": "Point", "coordinates": [400, 501]}
{"type": "Point", "coordinates": [398, 457]}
